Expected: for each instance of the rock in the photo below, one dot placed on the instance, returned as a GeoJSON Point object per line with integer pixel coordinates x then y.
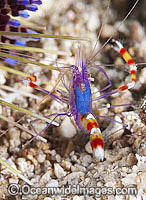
{"type": "Point", "coordinates": [30, 157]}
{"type": "Point", "coordinates": [67, 129]}
{"type": "Point", "coordinates": [114, 155]}
{"type": "Point", "coordinates": [130, 179]}
{"type": "Point", "coordinates": [58, 158]}
{"type": "Point", "coordinates": [46, 177]}
{"type": "Point", "coordinates": [111, 133]}
{"type": "Point", "coordinates": [47, 198]}
{"type": "Point", "coordinates": [59, 171]}
{"type": "Point", "coordinates": [21, 162]}
{"type": "Point", "coordinates": [87, 159]}
{"type": "Point", "coordinates": [141, 180]}
{"type": "Point", "coordinates": [66, 164]}
{"type": "Point", "coordinates": [88, 148]}
{"type": "Point", "coordinates": [52, 183]}
{"type": "Point", "coordinates": [80, 168]}
{"type": "Point", "coordinates": [3, 75]}
{"type": "Point", "coordinates": [74, 158]}
{"type": "Point", "coordinates": [141, 163]}
{"type": "Point", "coordinates": [25, 136]}
{"type": "Point", "coordinates": [41, 157]}
{"type": "Point", "coordinates": [93, 21]}
{"type": "Point", "coordinates": [14, 138]}
{"type": "Point", "coordinates": [73, 178]}
{"type": "Point", "coordinates": [137, 32]}
{"type": "Point", "coordinates": [13, 180]}
{"type": "Point", "coordinates": [78, 197]}
{"type": "Point", "coordinates": [128, 160]}
{"type": "Point", "coordinates": [99, 168]}
{"type": "Point", "coordinates": [107, 31]}
{"type": "Point", "coordinates": [118, 101]}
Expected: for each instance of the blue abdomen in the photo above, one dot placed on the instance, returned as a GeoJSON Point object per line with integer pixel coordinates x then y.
{"type": "Point", "coordinates": [83, 99]}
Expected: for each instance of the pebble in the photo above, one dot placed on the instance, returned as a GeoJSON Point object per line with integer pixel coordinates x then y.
{"type": "Point", "coordinates": [111, 133]}
{"type": "Point", "coordinates": [58, 158]}
{"type": "Point", "coordinates": [80, 168]}
{"type": "Point", "coordinates": [47, 163]}
{"type": "Point", "coordinates": [141, 165]}
{"type": "Point", "coordinates": [52, 183]}
{"type": "Point", "coordinates": [13, 180]}
{"type": "Point", "coordinates": [30, 157]}
{"type": "Point", "coordinates": [123, 28]}
{"type": "Point", "coordinates": [67, 129]}
{"type": "Point", "coordinates": [52, 152]}
{"type": "Point", "coordinates": [137, 32]}
{"type": "Point", "coordinates": [71, 15]}
{"type": "Point", "coordinates": [59, 171]}
{"type": "Point", "coordinates": [141, 180]}
{"type": "Point", "coordinates": [22, 163]}
{"type": "Point", "coordinates": [118, 101]}
{"type": "Point", "coordinates": [73, 178]}
{"type": "Point", "coordinates": [107, 31]}
{"type": "Point", "coordinates": [88, 148]}
{"type": "Point", "coordinates": [128, 160]}
{"type": "Point", "coordinates": [78, 197]}
{"type": "Point", "coordinates": [142, 110]}
{"type": "Point", "coordinates": [41, 157]}
{"type": "Point", "coordinates": [4, 151]}
{"type": "Point", "coordinates": [47, 198]}
{"type": "Point", "coordinates": [3, 75]}
{"type": "Point", "coordinates": [130, 179]}
{"type": "Point", "coordinates": [95, 175]}
{"type": "Point", "coordinates": [14, 138]}
{"type": "Point", "coordinates": [45, 146]}
{"type": "Point", "coordinates": [140, 49]}
{"type": "Point", "coordinates": [74, 158]}
{"type": "Point", "coordinates": [66, 164]}
{"type": "Point", "coordinates": [86, 159]}
{"type": "Point", "coordinates": [46, 177]}
{"type": "Point", "coordinates": [73, 168]}
{"type": "Point", "coordinates": [135, 125]}
{"type": "Point", "coordinates": [112, 155]}
{"type": "Point", "coordinates": [93, 21]}
{"type": "Point", "coordinates": [86, 181]}
{"type": "Point", "coordinates": [99, 168]}
{"type": "Point", "coordinates": [72, 153]}
{"type": "Point", "coordinates": [142, 77]}
{"type": "Point", "coordinates": [56, 106]}
{"type": "Point", "coordinates": [36, 179]}
{"type": "Point", "coordinates": [25, 135]}
{"type": "Point", "coordinates": [135, 168]}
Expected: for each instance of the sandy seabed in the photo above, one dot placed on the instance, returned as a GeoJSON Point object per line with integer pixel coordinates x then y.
{"type": "Point", "coordinates": [66, 160]}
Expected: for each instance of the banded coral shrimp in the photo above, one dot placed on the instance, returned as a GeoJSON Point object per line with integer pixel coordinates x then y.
{"type": "Point", "coordinates": [62, 79]}
{"type": "Point", "coordinates": [17, 36]}
{"type": "Point", "coordinates": [80, 97]}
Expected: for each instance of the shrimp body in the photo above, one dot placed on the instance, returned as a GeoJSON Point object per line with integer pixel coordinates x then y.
{"type": "Point", "coordinates": [82, 110]}
{"type": "Point", "coordinates": [83, 98]}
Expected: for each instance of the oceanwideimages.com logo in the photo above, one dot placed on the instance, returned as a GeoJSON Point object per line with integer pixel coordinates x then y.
{"type": "Point", "coordinates": [15, 189]}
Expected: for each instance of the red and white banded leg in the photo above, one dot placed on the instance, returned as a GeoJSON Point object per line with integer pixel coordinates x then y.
{"type": "Point", "coordinates": [32, 80]}
{"type": "Point", "coordinates": [126, 56]}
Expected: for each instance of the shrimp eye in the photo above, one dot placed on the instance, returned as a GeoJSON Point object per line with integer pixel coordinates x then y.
{"type": "Point", "coordinates": [74, 77]}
